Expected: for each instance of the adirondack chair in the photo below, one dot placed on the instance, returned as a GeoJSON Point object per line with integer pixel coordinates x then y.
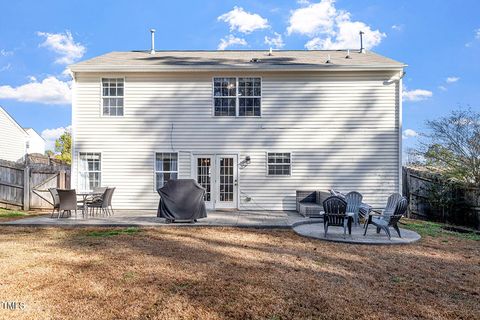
{"type": "Point", "coordinates": [354, 200]}
{"type": "Point", "coordinates": [385, 221]}
{"type": "Point", "coordinates": [335, 215]}
{"type": "Point", "coordinates": [389, 208]}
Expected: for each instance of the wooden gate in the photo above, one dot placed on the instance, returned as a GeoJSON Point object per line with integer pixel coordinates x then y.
{"type": "Point", "coordinates": [26, 187]}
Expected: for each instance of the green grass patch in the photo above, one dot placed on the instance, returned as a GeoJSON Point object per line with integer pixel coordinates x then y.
{"type": "Point", "coordinates": [4, 213]}
{"type": "Point", "coordinates": [435, 229]}
{"type": "Point", "coordinates": [112, 232]}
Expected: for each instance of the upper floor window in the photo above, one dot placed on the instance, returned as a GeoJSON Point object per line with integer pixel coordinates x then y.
{"type": "Point", "coordinates": [112, 96]}
{"type": "Point", "coordinates": [237, 97]}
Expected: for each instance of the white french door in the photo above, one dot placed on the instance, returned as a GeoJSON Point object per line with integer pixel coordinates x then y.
{"type": "Point", "coordinates": [218, 175]}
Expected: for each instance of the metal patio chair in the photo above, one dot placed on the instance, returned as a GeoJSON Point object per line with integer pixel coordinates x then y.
{"type": "Point", "coordinates": [385, 221]}
{"type": "Point", "coordinates": [102, 203]}
{"type": "Point", "coordinates": [67, 202]}
{"type": "Point", "coordinates": [55, 201]}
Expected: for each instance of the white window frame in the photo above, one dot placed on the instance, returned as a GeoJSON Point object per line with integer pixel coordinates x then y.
{"type": "Point", "coordinates": [79, 171]}
{"type": "Point", "coordinates": [278, 175]}
{"type": "Point", "coordinates": [237, 102]}
{"type": "Point", "coordinates": [161, 171]}
{"type": "Point", "coordinates": [102, 96]}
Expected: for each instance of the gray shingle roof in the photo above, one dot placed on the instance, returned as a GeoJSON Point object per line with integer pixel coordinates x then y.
{"type": "Point", "coordinates": [227, 60]}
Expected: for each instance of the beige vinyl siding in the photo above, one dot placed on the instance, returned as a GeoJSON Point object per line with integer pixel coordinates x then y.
{"type": "Point", "coordinates": [12, 139]}
{"type": "Point", "coordinates": [342, 129]}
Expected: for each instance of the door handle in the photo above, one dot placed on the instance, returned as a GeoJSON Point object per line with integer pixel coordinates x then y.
{"type": "Point", "coordinates": [236, 182]}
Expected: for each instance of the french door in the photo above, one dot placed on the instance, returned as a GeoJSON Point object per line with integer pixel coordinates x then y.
{"type": "Point", "coordinates": [218, 175]}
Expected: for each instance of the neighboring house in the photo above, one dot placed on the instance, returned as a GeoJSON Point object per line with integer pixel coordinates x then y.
{"type": "Point", "coordinates": [15, 141]}
{"type": "Point", "coordinates": [35, 143]}
{"type": "Point", "coordinates": [250, 126]}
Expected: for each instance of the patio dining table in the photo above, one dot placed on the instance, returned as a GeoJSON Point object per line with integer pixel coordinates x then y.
{"type": "Point", "coordinates": [85, 195]}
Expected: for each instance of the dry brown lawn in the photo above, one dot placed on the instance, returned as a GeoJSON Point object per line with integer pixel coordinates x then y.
{"type": "Point", "coordinates": [225, 273]}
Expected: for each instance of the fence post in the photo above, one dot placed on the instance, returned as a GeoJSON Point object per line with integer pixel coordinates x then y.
{"type": "Point", "coordinates": [61, 179]}
{"type": "Point", "coordinates": [26, 188]}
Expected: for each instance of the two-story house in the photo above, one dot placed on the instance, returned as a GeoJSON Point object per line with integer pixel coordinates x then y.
{"type": "Point", "coordinates": [250, 126]}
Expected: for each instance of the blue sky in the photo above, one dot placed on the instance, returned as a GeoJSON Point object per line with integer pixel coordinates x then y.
{"type": "Point", "coordinates": [440, 41]}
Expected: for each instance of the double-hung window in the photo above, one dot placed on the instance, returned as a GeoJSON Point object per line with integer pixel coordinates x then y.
{"type": "Point", "coordinates": [237, 97]}
{"type": "Point", "coordinates": [90, 170]}
{"type": "Point", "coordinates": [112, 96]}
{"type": "Point", "coordinates": [279, 163]}
{"type": "Point", "coordinates": [166, 167]}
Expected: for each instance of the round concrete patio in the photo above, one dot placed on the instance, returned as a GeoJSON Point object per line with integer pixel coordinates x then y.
{"type": "Point", "coordinates": [314, 229]}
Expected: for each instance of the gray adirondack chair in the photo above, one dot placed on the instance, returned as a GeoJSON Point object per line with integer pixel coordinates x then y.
{"type": "Point", "coordinates": [387, 220]}
{"type": "Point", "coordinates": [354, 200]}
{"type": "Point", "coordinates": [335, 214]}
{"type": "Point", "coordinates": [389, 208]}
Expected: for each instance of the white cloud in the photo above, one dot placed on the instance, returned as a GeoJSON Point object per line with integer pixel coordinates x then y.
{"type": "Point", "coordinates": [452, 79]}
{"type": "Point", "coordinates": [397, 27]}
{"type": "Point", "coordinates": [6, 67]}
{"type": "Point", "coordinates": [50, 91]}
{"type": "Point", "coordinates": [416, 95]}
{"type": "Point", "coordinates": [229, 41]}
{"type": "Point", "coordinates": [476, 37]}
{"type": "Point", "coordinates": [63, 44]}
{"type": "Point", "coordinates": [243, 21]}
{"type": "Point", "coordinates": [409, 133]}
{"type": "Point", "coordinates": [5, 53]}
{"type": "Point", "coordinates": [276, 41]}
{"type": "Point", "coordinates": [50, 135]}
{"type": "Point", "coordinates": [330, 28]}
{"type": "Point", "coordinates": [443, 88]}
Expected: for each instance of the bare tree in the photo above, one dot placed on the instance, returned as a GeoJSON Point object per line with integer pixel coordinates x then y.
{"type": "Point", "coordinates": [453, 146]}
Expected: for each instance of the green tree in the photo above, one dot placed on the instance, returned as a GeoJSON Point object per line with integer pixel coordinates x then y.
{"type": "Point", "coordinates": [63, 146]}
{"type": "Point", "coordinates": [453, 146]}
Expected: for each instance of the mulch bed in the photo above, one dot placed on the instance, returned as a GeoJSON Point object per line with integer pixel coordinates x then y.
{"type": "Point", "coordinates": [227, 273]}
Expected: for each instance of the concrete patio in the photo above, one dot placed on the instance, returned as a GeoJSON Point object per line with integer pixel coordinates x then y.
{"type": "Point", "coordinates": [148, 218]}
{"type": "Point", "coordinates": [314, 229]}
{"type": "Point", "coordinates": [307, 227]}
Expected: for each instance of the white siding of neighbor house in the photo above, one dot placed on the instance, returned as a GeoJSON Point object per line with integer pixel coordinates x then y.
{"type": "Point", "coordinates": [12, 138]}
{"type": "Point", "coordinates": [36, 144]}
{"type": "Point", "coordinates": [342, 129]}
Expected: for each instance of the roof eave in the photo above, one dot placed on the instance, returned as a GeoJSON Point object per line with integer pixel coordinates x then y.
{"type": "Point", "coordinates": [330, 67]}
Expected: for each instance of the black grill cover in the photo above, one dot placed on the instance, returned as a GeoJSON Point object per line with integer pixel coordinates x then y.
{"type": "Point", "coordinates": [181, 199]}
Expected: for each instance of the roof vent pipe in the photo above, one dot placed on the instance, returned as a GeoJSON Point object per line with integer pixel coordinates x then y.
{"type": "Point", "coordinates": [152, 31]}
{"type": "Point", "coordinates": [362, 49]}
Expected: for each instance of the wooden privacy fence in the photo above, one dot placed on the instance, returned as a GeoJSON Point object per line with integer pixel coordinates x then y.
{"type": "Point", "coordinates": [431, 198]}
{"type": "Point", "coordinates": [25, 185]}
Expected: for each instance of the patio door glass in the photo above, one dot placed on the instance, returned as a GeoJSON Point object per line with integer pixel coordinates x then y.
{"type": "Point", "coordinates": [226, 181]}
{"type": "Point", "coordinates": [218, 175]}
{"type": "Point", "coordinates": [204, 177]}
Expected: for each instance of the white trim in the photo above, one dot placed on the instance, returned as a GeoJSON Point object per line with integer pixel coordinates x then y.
{"type": "Point", "coordinates": [237, 103]}
{"type": "Point", "coordinates": [278, 175]}
{"type": "Point", "coordinates": [108, 76]}
{"type": "Point", "coordinates": [155, 169]}
{"type": "Point", "coordinates": [400, 146]}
